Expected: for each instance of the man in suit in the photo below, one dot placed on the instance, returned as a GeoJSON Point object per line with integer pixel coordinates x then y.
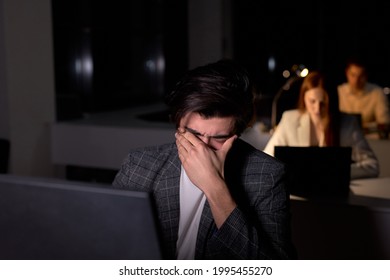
{"type": "Point", "coordinates": [358, 96]}
{"type": "Point", "coordinates": [217, 197]}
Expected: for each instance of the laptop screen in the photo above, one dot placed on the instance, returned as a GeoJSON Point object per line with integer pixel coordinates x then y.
{"type": "Point", "coordinates": [317, 171]}
{"type": "Point", "coordinates": [58, 219]}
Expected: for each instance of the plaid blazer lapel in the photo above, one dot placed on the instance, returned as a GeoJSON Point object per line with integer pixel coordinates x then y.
{"type": "Point", "coordinates": [168, 203]}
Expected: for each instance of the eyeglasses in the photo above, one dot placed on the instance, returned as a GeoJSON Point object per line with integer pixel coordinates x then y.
{"type": "Point", "coordinates": [217, 138]}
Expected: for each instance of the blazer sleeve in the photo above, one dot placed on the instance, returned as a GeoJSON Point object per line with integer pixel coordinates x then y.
{"type": "Point", "coordinates": [260, 229]}
{"type": "Point", "coordinates": [364, 161]}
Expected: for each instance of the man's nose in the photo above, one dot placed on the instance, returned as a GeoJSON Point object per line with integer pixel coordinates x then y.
{"type": "Point", "coordinates": [317, 108]}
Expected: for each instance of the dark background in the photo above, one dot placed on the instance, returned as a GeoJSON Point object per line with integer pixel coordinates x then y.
{"type": "Point", "coordinates": [139, 49]}
{"type": "Point", "coordinates": [318, 34]}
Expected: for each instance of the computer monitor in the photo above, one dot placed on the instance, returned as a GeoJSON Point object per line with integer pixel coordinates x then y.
{"type": "Point", "coordinates": [317, 171]}
{"type": "Point", "coordinates": [42, 218]}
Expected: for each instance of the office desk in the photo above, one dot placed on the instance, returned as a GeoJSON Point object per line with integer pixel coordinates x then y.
{"type": "Point", "coordinates": [354, 228]}
{"type": "Point", "coordinates": [102, 140]}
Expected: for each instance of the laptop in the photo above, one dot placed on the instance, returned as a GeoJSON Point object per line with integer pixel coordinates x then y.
{"type": "Point", "coordinates": [317, 171]}
{"type": "Point", "coordinates": [50, 219]}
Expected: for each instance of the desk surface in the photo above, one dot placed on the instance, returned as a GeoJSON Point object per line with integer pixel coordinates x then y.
{"type": "Point", "coordinates": [372, 193]}
{"type": "Point", "coordinates": [377, 187]}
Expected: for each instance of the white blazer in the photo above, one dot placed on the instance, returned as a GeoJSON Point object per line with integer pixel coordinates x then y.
{"type": "Point", "coordinates": [294, 130]}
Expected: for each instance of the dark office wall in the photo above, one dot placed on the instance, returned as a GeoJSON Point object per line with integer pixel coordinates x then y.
{"type": "Point", "coordinates": [117, 54]}
{"type": "Point", "coordinates": [127, 40]}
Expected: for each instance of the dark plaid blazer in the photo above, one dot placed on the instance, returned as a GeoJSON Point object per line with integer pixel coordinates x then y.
{"type": "Point", "coordinates": [259, 227]}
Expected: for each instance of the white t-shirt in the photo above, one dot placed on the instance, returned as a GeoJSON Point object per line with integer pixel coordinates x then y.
{"type": "Point", "coordinates": [192, 200]}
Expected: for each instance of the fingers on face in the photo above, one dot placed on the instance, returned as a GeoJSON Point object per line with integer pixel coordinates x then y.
{"type": "Point", "coordinates": [231, 140]}
{"type": "Point", "coordinates": [228, 143]}
{"type": "Point", "coordinates": [187, 139]}
{"type": "Point", "coordinates": [183, 145]}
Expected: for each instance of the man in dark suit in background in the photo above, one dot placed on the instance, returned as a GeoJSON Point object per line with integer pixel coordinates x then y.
{"type": "Point", "coordinates": [217, 197]}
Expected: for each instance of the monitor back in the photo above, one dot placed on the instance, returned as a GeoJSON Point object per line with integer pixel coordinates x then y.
{"type": "Point", "coordinates": [58, 219]}
{"type": "Point", "coordinates": [317, 171]}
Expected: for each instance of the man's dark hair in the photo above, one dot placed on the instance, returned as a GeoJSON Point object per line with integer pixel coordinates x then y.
{"type": "Point", "coordinates": [356, 60]}
{"type": "Point", "coordinates": [219, 89]}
